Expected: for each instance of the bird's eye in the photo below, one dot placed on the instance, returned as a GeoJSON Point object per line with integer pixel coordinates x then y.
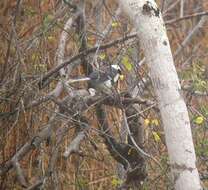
{"type": "Point", "coordinates": [119, 71]}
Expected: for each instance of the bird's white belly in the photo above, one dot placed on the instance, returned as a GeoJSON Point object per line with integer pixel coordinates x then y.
{"type": "Point", "coordinates": [108, 84]}
{"type": "Point", "coordinates": [116, 78]}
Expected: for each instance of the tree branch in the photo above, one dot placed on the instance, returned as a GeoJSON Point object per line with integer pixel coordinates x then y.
{"type": "Point", "coordinates": [78, 56]}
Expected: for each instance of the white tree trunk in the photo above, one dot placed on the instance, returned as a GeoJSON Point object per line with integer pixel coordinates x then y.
{"type": "Point", "coordinates": [153, 38]}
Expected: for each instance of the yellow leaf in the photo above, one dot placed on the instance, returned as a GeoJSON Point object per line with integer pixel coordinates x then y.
{"type": "Point", "coordinates": [102, 56]}
{"type": "Point", "coordinates": [121, 77]}
{"type": "Point", "coordinates": [51, 38]}
{"type": "Point", "coordinates": [127, 63]}
{"type": "Point", "coordinates": [115, 24]}
{"type": "Point", "coordinates": [130, 150]}
{"type": "Point", "coordinates": [155, 122]}
{"type": "Point", "coordinates": [91, 40]}
{"type": "Point", "coordinates": [116, 182]}
{"type": "Point", "coordinates": [203, 83]}
{"type": "Point", "coordinates": [34, 57]}
{"type": "Point", "coordinates": [156, 136]}
{"type": "Point", "coordinates": [199, 120]}
{"type": "Point", "coordinates": [146, 122]}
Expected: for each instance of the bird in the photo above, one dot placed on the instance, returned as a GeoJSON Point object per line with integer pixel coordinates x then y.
{"type": "Point", "coordinates": [101, 81]}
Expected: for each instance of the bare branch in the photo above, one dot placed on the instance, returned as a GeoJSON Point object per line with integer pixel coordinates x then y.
{"type": "Point", "coordinates": [74, 145]}
{"type": "Point", "coordinates": [190, 36]}
{"type": "Point", "coordinates": [142, 153]}
{"type": "Point", "coordinates": [28, 146]}
{"type": "Point", "coordinates": [19, 172]}
{"type": "Point", "coordinates": [36, 185]}
{"type": "Point", "coordinates": [186, 17]}
{"type": "Point", "coordinates": [86, 52]}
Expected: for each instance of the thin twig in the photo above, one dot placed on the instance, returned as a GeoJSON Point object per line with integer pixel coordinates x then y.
{"type": "Point", "coordinates": [186, 17]}
{"type": "Point", "coordinates": [86, 52]}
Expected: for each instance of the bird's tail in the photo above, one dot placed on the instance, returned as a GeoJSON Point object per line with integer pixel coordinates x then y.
{"type": "Point", "coordinates": [81, 79]}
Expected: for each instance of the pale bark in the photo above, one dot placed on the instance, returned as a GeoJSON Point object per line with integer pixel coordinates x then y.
{"type": "Point", "coordinates": [153, 39]}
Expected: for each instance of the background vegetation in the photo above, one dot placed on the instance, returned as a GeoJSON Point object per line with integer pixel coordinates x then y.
{"type": "Point", "coordinates": [29, 37]}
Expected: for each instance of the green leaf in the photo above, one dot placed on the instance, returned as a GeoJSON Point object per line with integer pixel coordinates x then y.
{"type": "Point", "coordinates": [47, 19]}
{"type": "Point", "coordinates": [126, 62]}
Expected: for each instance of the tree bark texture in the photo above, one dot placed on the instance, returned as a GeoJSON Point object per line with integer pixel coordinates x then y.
{"type": "Point", "coordinates": [151, 32]}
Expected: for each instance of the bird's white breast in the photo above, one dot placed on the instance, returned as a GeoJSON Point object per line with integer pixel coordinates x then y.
{"type": "Point", "coordinates": [108, 84]}
{"type": "Point", "coordinates": [116, 78]}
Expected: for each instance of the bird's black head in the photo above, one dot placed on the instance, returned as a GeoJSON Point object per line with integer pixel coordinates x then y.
{"type": "Point", "coordinates": [117, 68]}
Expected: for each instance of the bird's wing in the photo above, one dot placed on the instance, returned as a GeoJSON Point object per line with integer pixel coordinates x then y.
{"type": "Point", "coordinates": [112, 72]}
{"type": "Point", "coordinates": [98, 76]}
